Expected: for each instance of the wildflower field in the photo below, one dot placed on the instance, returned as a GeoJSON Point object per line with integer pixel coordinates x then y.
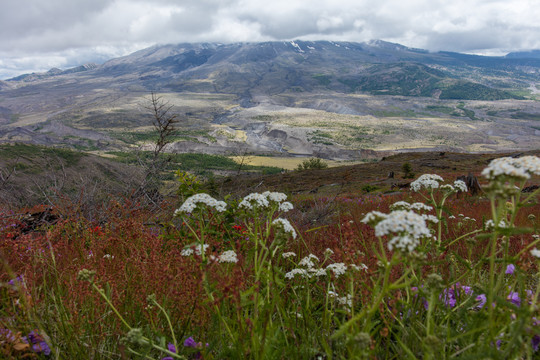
{"type": "Point", "coordinates": [429, 273]}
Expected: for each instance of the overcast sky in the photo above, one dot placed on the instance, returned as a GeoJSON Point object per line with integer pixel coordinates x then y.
{"type": "Point", "coordinates": [36, 35]}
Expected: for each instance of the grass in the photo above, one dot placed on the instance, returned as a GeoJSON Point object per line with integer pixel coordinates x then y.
{"type": "Point", "coordinates": [322, 281]}
{"type": "Point", "coordinates": [197, 163]}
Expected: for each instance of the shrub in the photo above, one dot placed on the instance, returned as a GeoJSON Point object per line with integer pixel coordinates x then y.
{"type": "Point", "coordinates": [312, 163]}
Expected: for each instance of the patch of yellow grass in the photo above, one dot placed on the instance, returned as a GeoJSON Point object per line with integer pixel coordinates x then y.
{"type": "Point", "coordinates": [287, 163]}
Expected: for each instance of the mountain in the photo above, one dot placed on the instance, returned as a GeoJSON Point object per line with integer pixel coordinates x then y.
{"type": "Point", "coordinates": [245, 93]}
{"type": "Point", "coordinates": [532, 54]}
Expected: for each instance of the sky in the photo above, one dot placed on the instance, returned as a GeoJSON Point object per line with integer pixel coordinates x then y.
{"type": "Point", "coordinates": [36, 35]}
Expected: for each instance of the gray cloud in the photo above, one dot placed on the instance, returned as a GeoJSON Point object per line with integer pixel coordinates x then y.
{"type": "Point", "coordinates": [36, 35]}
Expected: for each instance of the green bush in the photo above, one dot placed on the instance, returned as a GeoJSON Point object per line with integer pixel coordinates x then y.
{"type": "Point", "coordinates": [312, 163]}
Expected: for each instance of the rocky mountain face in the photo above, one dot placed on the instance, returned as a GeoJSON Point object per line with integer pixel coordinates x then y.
{"type": "Point", "coordinates": [273, 79]}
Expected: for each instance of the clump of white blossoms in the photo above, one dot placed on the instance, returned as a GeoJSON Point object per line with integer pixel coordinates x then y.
{"type": "Point", "coordinates": [536, 253]}
{"type": "Point", "coordinates": [285, 225]}
{"type": "Point", "coordinates": [275, 196]}
{"type": "Point", "coordinates": [342, 300]}
{"type": "Point", "coordinates": [408, 226]}
{"type": "Point", "coordinates": [266, 199]}
{"type": "Point", "coordinates": [192, 202]}
{"type": "Point", "coordinates": [288, 254]}
{"type": "Point", "coordinates": [374, 217]}
{"type": "Point", "coordinates": [427, 181]}
{"type": "Point", "coordinates": [490, 225]}
{"type": "Point", "coordinates": [285, 206]}
{"type": "Point", "coordinates": [518, 168]}
{"type": "Point", "coordinates": [228, 256]}
{"type": "Point", "coordinates": [337, 268]}
{"type": "Point", "coordinates": [254, 200]}
{"type": "Point", "coordinates": [308, 261]}
{"type": "Point", "coordinates": [197, 249]}
{"type": "Point", "coordinates": [403, 205]}
{"type": "Point", "coordinates": [459, 185]}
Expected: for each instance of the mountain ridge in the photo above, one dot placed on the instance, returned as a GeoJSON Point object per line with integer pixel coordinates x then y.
{"type": "Point", "coordinates": [327, 97]}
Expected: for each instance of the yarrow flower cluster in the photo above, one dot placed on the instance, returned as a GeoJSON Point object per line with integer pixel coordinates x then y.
{"type": "Point", "coordinates": [520, 168]}
{"type": "Point", "coordinates": [403, 205]}
{"type": "Point", "coordinates": [192, 202]}
{"type": "Point", "coordinates": [285, 225]}
{"type": "Point", "coordinates": [228, 256]}
{"type": "Point", "coordinates": [409, 227]}
{"type": "Point", "coordinates": [337, 268]}
{"type": "Point", "coordinates": [261, 201]}
{"type": "Point", "coordinates": [254, 199]}
{"type": "Point", "coordinates": [427, 181]}
{"type": "Point", "coordinates": [490, 225]}
{"type": "Point", "coordinates": [288, 254]}
{"type": "Point", "coordinates": [342, 300]}
{"type": "Point", "coordinates": [536, 253]}
{"type": "Point", "coordinates": [196, 249]}
{"type": "Point", "coordinates": [459, 185]}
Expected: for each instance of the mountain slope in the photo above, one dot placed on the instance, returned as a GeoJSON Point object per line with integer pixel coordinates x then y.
{"type": "Point", "coordinates": [326, 97]}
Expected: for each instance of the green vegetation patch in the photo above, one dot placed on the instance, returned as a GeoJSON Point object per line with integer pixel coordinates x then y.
{"type": "Point", "coordinates": [32, 151]}
{"type": "Point", "coordinates": [193, 162]}
{"type": "Point", "coordinates": [525, 116]}
{"type": "Point", "coordinates": [466, 90]}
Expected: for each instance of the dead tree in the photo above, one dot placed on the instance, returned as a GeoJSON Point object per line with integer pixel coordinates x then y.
{"type": "Point", "coordinates": [472, 183]}
{"type": "Point", "coordinates": [164, 121]}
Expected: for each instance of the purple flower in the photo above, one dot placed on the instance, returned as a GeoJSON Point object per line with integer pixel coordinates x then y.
{"type": "Point", "coordinates": [448, 297]}
{"type": "Point", "coordinates": [481, 299]}
{"type": "Point", "coordinates": [514, 298]}
{"type": "Point", "coordinates": [467, 290]}
{"type": "Point", "coordinates": [535, 341]}
{"type": "Point", "coordinates": [38, 344]}
{"type": "Point", "coordinates": [510, 269]}
{"type": "Point", "coordinates": [190, 342]}
{"type": "Point", "coordinates": [172, 349]}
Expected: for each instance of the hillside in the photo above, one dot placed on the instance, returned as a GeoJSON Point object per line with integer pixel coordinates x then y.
{"type": "Point", "coordinates": [336, 100]}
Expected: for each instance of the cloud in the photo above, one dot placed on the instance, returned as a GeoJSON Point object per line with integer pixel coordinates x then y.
{"type": "Point", "coordinates": [37, 34]}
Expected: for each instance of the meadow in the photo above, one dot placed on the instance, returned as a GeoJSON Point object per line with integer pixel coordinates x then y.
{"type": "Point", "coordinates": [427, 273]}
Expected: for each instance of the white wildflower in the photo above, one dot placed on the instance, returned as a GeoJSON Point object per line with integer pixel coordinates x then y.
{"type": "Point", "coordinates": [275, 196]}
{"type": "Point", "coordinates": [460, 185]}
{"type": "Point", "coordinates": [254, 199]}
{"type": "Point", "coordinates": [536, 236]}
{"type": "Point", "coordinates": [536, 253]}
{"type": "Point", "coordinates": [291, 274]}
{"type": "Point", "coordinates": [228, 256]}
{"type": "Point", "coordinates": [400, 205]}
{"type": "Point", "coordinates": [430, 218]}
{"type": "Point", "coordinates": [451, 217]}
{"type": "Point", "coordinates": [108, 256]}
{"type": "Point", "coordinates": [197, 249]}
{"type": "Point", "coordinates": [428, 181]}
{"type": "Point", "coordinates": [288, 254]}
{"type": "Point", "coordinates": [362, 266]}
{"type": "Point", "coordinates": [404, 243]}
{"type": "Point", "coordinates": [285, 206]}
{"type": "Point", "coordinates": [408, 225]}
{"type": "Point", "coordinates": [316, 272]}
{"type": "Point", "coordinates": [342, 300]}
{"type": "Point", "coordinates": [520, 168]}
{"type": "Point", "coordinates": [307, 261]}
{"type": "Point", "coordinates": [448, 188]}
{"type": "Point", "coordinates": [418, 206]}
{"type": "Point", "coordinates": [191, 204]}
{"type": "Point", "coordinates": [337, 268]}
{"type": "Point", "coordinates": [328, 252]}
{"type": "Point", "coordinates": [490, 224]}
{"type": "Point", "coordinates": [374, 217]}
{"type": "Point", "coordinates": [285, 225]}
